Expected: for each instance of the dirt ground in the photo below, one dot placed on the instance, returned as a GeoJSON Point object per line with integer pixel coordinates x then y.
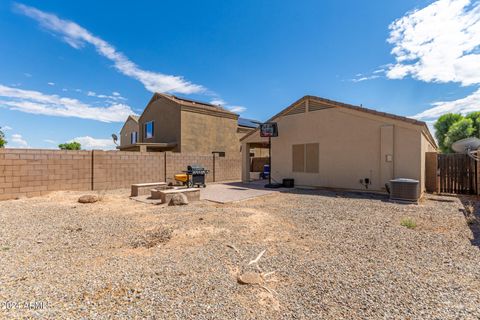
{"type": "Point", "coordinates": [327, 255]}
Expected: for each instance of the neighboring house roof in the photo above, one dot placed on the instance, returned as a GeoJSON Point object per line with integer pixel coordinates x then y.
{"type": "Point", "coordinates": [133, 117]}
{"type": "Point", "coordinates": [333, 103]}
{"type": "Point", "coordinates": [249, 123]}
{"type": "Point", "coordinates": [193, 105]}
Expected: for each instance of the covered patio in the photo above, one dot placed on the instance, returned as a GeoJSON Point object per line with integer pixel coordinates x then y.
{"type": "Point", "coordinates": [252, 146]}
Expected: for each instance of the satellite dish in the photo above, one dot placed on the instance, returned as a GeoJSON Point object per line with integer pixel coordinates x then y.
{"type": "Point", "coordinates": [115, 138]}
{"type": "Point", "coordinates": [468, 146]}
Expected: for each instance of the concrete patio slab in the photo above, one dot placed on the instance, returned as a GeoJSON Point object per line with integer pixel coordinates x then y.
{"type": "Point", "coordinates": [235, 191]}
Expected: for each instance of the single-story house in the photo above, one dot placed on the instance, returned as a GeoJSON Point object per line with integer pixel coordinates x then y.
{"type": "Point", "coordinates": [324, 143]}
{"type": "Point", "coordinates": [171, 123]}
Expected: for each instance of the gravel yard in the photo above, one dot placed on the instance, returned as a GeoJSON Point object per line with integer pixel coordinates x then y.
{"type": "Point", "coordinates": [334, 255]}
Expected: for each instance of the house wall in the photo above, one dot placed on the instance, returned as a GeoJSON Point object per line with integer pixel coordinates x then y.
{"type": "Point", "coordinates": [352, 145]}
{"type": "Point", "coordinates": [204, 133]}
{"type": "Point", "coordinates": [167, 122]}
{"type": "Point", "coordinates": [129, 127]}
{"type": "Point", "coordinates": [242, 131]}
{"type": "Point", "coordinates": [30, 172]}
{"type": "Point", "coordinates": [408, 154]}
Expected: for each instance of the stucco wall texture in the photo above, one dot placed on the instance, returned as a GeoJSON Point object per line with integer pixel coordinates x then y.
{"type": "Point", "coordinates": [194, 130]}
{"type": "Point", "coordinates": [353, 145]}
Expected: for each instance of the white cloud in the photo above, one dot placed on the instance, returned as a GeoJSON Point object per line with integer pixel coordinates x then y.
{"type": "Point", "coordinates": [365, 78]}
{"type": "Point", "coordinates": [464, 105]}
{"type": "Point", "coordinates": [64, 89]}
{"type": "Point", "coordinates": [88, 142]}
{"type": "Point", "coordinates": [39, 103]}
{"type": "Point", "coordinates": [51, 83]}
{"type": "Point", "coordinates": [17, 141]}
{"type": "Point", "coordinates": [439, 43]}
{"type": "Point", "coordinates": [237, 109]}
{"type": "Point", "coordinates": [5, 128]}
{"type": "Point", "coordinates": [50, 141]}
{"type": "Point", "coordinates": [76, 36]}
{"type": "Point", "coordinates": [115, 96]}
{"type": "Point", "coordinates": [218, 102]}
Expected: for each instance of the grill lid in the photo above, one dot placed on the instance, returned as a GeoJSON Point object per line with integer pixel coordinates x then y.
{"type": "Point", "coordinates": [196, 170]}
{"type": "Point", "coordinates": [195, 167]}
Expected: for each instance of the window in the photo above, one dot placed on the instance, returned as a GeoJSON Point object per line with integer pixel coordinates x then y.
{"type": "Point", "coordinates": [298, 157]}
{"type": "Point", "coordinates": [305, 157]}
{"type": "Point", "coordinates": [133, 137]}
{"type": "Point", "coordinates": [149, 130]}
{"type": "Point", "coordinates": [311, 157]}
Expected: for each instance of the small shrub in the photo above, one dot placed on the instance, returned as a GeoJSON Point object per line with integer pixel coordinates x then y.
{"type": "Point", "coordinates": [3, 142]}
{"type": "Point", "coordinates": [470, 214]}
{"type": "Point", "coordinates": [469, 208]}
{"type": "Point", "coordinates": [471, 219]}
{"type": "Point", "coordinates": [408, 223]}
{"type": "Point", "coordinates": [70, 146]}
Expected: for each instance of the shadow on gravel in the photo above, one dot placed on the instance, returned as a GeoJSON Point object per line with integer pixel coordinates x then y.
{"type": "Point", "coordinates": [259, 185]}
{"type": "Point", "coordinates": [340, 194]}
{"type": "Point", "coordinates": [471, 211]}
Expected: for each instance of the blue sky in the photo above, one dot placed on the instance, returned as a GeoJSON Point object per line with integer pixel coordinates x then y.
{"type": "Point", "coordinates": [76, 69]}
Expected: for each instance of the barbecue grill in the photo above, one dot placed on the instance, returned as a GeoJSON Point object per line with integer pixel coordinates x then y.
{"type": "Point", "coordinates": [193, 176]}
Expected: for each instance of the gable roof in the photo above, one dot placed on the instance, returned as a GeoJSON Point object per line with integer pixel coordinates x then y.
{"type": "Point", "coordinates": [133, 117]}
{"type": "Point", "coordinates": [192, 105]}
{"type": "Point", "coordinates": [333, 103]}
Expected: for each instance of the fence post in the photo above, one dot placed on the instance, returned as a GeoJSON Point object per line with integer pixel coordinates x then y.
{"type": "Point", "coordinates": [92, 176]}
{"type": "Point", "coordinates": [477, 174]}
{"type": "Point", "coordinates": [165, 166]}
{"type": "Point", "coordinates": [213, 154]}
{"type": "Point", "coordinates": [169, 164]}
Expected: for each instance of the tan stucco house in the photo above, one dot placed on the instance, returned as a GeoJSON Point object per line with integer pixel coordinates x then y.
{"type": "Point", "coordinates": [324, 143]}
{"type": "Point", "coordinates": [171, 123]}
{"type": "Point", "coordinates": [129, 132]}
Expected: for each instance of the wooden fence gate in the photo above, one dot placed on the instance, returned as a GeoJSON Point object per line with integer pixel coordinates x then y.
{"type": "Point", "coordinates": [457, 173]}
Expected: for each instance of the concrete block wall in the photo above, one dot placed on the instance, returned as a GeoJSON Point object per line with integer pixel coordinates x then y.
{"type": "Point", "coordinates": [120, 169]}
{"type": "Point", "coordinates": [35, 172]}
{"type": "Point", "coordinates": [178, 162]}
{"type": "Point", "coordinates": [227, 169]}
{"type": "Point", "coordinates": [30, 172]}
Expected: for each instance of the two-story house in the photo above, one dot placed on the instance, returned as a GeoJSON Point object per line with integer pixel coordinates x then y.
{"type": "Point", "coordinates": [171, 123]}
